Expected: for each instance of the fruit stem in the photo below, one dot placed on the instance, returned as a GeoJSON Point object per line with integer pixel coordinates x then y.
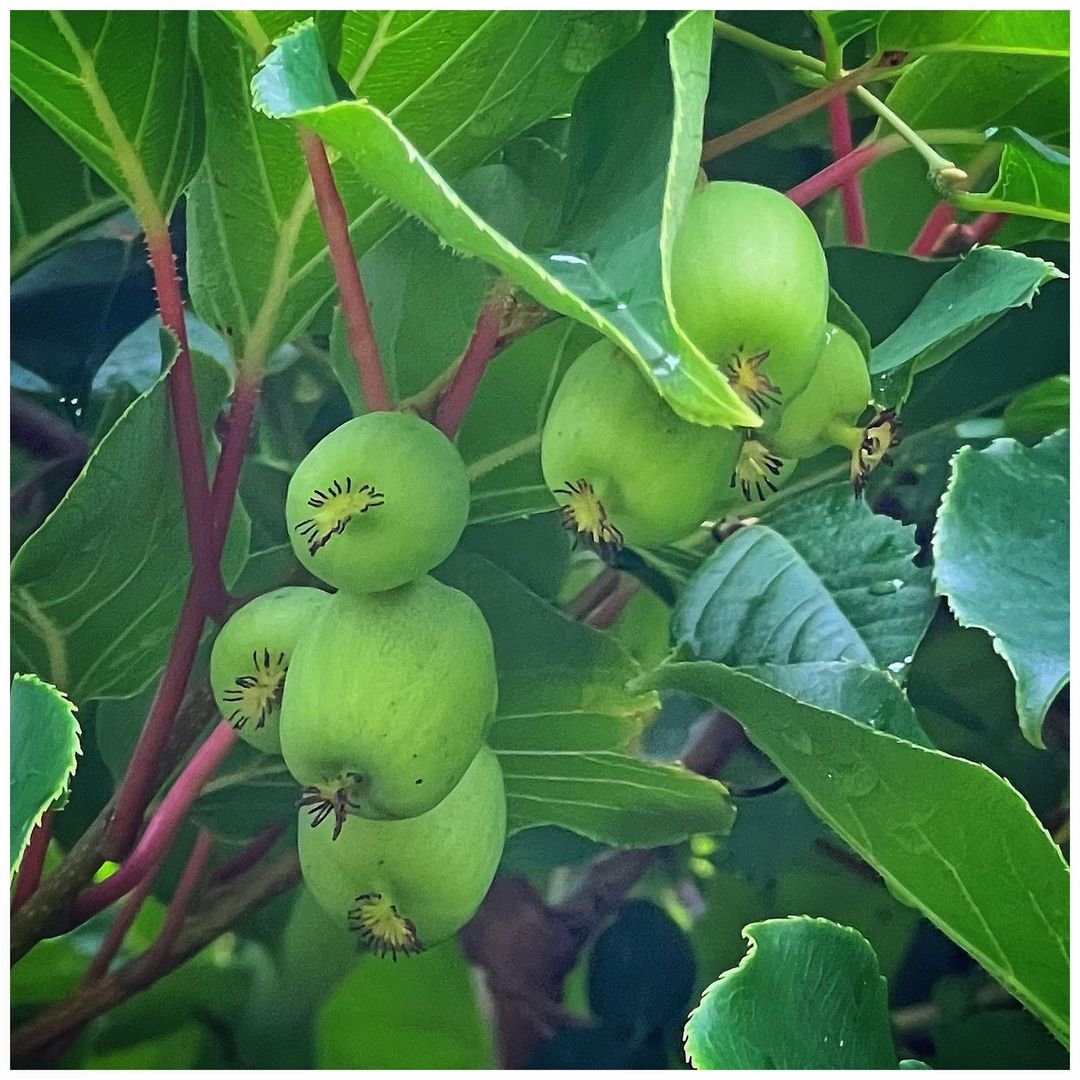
{"type": "Point", "coordinates": [185, 407]}
{"type": "Point", "coordinates": [360, 331]}
{"type": "Point", "coordinates": [114, 936]}
{"type": "Point", "coordinates": [851, 199]}
{"type": "Point", "coordinates": [481, 348]}
{"type": "Point", "coordinates": [788, 113]}
{"type": "Point", "coordinates": [247, 857]}
{"type": "Point", "coordinates": [162, 827]}
{"type": "Point", "coordinates": [181, 898]}
{"type": "Point", "coordinates": [944, 174]}
{"type": "Point", "coordinates": [33, 861]}
{"type": "Point", "coordinates": [790, 58]}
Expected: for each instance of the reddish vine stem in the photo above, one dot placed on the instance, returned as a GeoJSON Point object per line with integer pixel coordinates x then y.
{"type": "Point", "coordinates": [185, 407]}
{"type": "Point", "coordinates": [786, 114]}
{"type": "Point", "coordinates": [247, 857]}
{"type": "Point", "coordinates": [851, 199]}
{"type": "Point", "coordinates": [481, 348]}
{"type": "Point", "coordinates": [135, 790]}
{"type": "Point", "coordinates": [33, 861]}
{"type": "Point", "coordinates": [982, 229]}
{"type": "Point", "coordinates": [836, 174]}
{"type": "Point", "coordinates": [177, 910]}
{"type": "Point", "coordinates": [114, 936]}
{"type": "Point", "coordinates": [360, 332]}
{"type": "Point", "coordinates": [162, 827]}
{"type": "Point", "coordinates": [939, 219]}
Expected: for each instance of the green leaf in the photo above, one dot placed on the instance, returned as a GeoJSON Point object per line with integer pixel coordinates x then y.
{"type": "Point", "coordinates": [840, 314]}
{"type": "Point", "coordinates": [1040, 410]}
{"type": "Point", "coordinates": [97, 589]}
{"type": "Point", "coordinates": [958, 307]}
{"type": "Point", "coordinates": [1028, 33]}
{"type": "Point", "coordinates": [949, 836]}
{"type": "Point", "coordinates": [380, 1016]}
{"type": "Point", "coordinates": [984, 91]}
{"type": "Point", "coordinates": [121, 88]}
{"type": "Point", "coordinates": [837, 28]}
{"type": "Point", "coordinates": [565, 720]}
{"type": "Point", "coordinates": [1001, 557]}
{"type": "Point", "coordinates": [44, 216]}
{"type": "Point", "coordinates": [500, 438]}
{"type": "Point", "coordinates": [1032, 180]}
{"type": "Point", "coordinates": [460, 83]}
{"type": "Point", "coordinates": [821, 579]}
{"type": "Point", "coordinates": [44, 745]}
{"type": "Point", "coordinates": [807, 995]}
{"type": "Point", "coordinates": [595, 289]}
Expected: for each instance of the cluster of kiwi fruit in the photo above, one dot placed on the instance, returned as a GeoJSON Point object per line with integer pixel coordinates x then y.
{"type": "Point", "coordinates": [378, 695]}
{"type": "Point", "coordinates": [750, 288]}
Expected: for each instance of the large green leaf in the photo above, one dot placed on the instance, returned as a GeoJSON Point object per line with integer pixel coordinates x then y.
{"type": "Point", "coordinates": [821, 579]}
{"type": "Point", "coordinates": [500, 438]}
{"type": "Point", "coordinates": [460, 84]}
{"type": "Point", "coordinates": [958, 307]}
{"type": "Point", "coordinates": [807, 995]}
{"type": "Point", "coordinates": [43, 216]}
{"type": "Point", "coordinates": [44, 745]}
{"type": "Point", "coordinates": [1032, 180]}
{"type": "Point", "coordinates": [97, 589]}
{"type": "Point", "coordinates": [1001, 557]}
{"type": "Point", "coordinates": [949, 836]}
{"type": "Point", "coordinates": [121, 88]}
{"type": "Point", "coordinates": [565, 721]}
{"type": "Point", "coordinates": [1031, 33]}
{"type": "Point", "coordinates": [617, 286]}
{"type": "Point", "coordinates": [972, 92]}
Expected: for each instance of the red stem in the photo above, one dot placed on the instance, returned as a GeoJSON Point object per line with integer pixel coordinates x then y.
{"type": "Point", "coordinates": [162, 827]}
{"type": "Point", "coordinates": [33, 861]}
{"type": "Point", "coordinates": [247, 857]}
{"type": "Point", "coordinates": [836, 174]}
{"type": "Point", "coordinates": [850, 190]}
{"type": "Point", "coordinates": [134, 792]}
{"type": "Point", "coordinates": [185, 407]}
{"type": "Point", "coordinates": [181, 898]}
{"type": "Point", "coordinates": [481, 348]}
{"type": "Point", "coordinates": [984, 226]}
{"type": "Point", "coordinates": [360, 333]}
{"type": "Point", "coordinates": [114, 936]}
{"type": "Point", "coordinates": [938, 221]}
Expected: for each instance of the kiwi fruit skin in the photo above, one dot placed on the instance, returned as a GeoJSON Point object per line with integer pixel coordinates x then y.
{"type": "Point", "coordinates": [416, 494]}
{"type": "Point", "coordinates": [255, 644]}
{"type": "Point", "coordinates": [658, 476]}
{"type": "Point", "coordinates": [749, 276]}
{"type": "Point", "coordinates": [389, 695]}
{"type": "Point", "coordinates": [434, 868]}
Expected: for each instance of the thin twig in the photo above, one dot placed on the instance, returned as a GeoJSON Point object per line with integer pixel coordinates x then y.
{"type": "Point", "coordinates": [786, 114]}
{"type": "Point", "coordinates": [162, 827]}
{"type": "Point", "coordinates": [938, 220]}
{"type": "Point", "coordinates": [247, 857]}
{"type": "Point", "coordinates": [481, 348]}
{"type": "Point", "coordinates": [221, 909]}
{"type": "Point", "coordinates": [177, 910]}
{"type": "Point", "coordinates": [114, 936]}
{"type": "Point", "coordinates": [32, 862]}
{"type": "Point", "coordinates": [360, 332]}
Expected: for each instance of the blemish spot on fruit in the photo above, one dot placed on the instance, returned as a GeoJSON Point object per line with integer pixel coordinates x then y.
{"type": "Point", "coordinates": [382, 927]}
{"type": "Point", "coordinates": [334, 509]}
{"type": "Point", "coordinates": [584, 514]}
{"type": "Point", "coordinates": [257, 693]}
{"type": "Point", "coordinates": [419, 781]}
{"type": "Point", "coordinates": [752, 384]}
{"type": "Point", "coordinates": [756, 466]}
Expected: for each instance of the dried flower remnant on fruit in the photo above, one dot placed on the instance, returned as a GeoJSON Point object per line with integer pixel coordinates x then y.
{"type": "Point", "coordinates": [752, 384]}
{"type": "Point", "coordinates": [258, 694]}
{"type": "Point", "coordinates": [879, 437]}
{"type": "Point", "coordinates": [334, 509]}
{"type": "Point", "coordinates": [756, 466]}
{"type": "Point", "coordinates": [584, 514]}
{"type": "Point", "coordinates": [322, 806]}
{"type": "Point", "coordinates": [382, 927]}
